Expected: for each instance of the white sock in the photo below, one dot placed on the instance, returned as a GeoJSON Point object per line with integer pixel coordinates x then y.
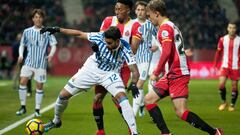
{"type": "Point", "coordinates": [60, 106]}
{"type": "Point", "coordinates": [128, 115]}
{"type": "Point", "coordinates": [38, 98]}
{"type": "Point", "coordinates": [23, 94]}
{"type": "Point", "coordinates": [138, 101]}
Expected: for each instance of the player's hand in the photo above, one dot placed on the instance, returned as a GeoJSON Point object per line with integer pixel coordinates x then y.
{"type": "Point", "coordinates": [188, 52]}
{"type": "Point", "coordinates": [134, 89]}
{"type": "Point", "coordinates": [153, 77]}
{"type": "Point", "coordinates": [154, 48]}
{"type": "Point", "coordinates": [49, 59]}
{"type": "Point", "coordinates": [20, 60]}
{"type": "Point", "coordinates": [52, 30]}
{"type": "Point", "coordinates": [94, 47]}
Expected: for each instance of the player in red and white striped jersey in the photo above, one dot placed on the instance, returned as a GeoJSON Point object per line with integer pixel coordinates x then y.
{"type": "Point", "coordinates": [175, 82]}
{"type": "Point", "coordinates": [229, 49]}
{"type": "Point", "coordinates": [130, 32]}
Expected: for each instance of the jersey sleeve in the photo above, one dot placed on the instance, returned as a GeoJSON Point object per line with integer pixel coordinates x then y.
{"type": "Point", "coordinates": [95, 37]}
{"type": "Point", "coordinates": [106, 23]}
{"type": "Point", "coordinates": [23, 39]}
{"type": "Point", "coordinates": [52, 40]}
{"type": "Point", "coordinates": [129, 57]}
{"type": "Point", "coordinates": [136, 30]}
{"type": "Point", "coordinates": [220, 44]}
{"type": "Point", "coordinates": [165, 35]}
{"type": "Point", "coordinates": [166, 38]}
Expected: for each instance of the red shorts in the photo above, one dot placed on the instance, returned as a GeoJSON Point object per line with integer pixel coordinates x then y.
{"type": "Point", "coordinates": [125, 75]}
{"type": "Point", "coordinates": [233, 74]}
{"type": "Point", "coordinates": [176, 88]}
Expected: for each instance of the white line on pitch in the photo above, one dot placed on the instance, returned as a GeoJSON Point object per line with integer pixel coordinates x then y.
{"type": "Point", "coordinates": [14, 125]}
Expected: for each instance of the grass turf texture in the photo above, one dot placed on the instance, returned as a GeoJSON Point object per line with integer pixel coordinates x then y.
{"type": "Point", "coordinates": [78, 120]}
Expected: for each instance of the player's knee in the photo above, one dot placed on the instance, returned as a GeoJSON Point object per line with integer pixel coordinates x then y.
{"type": "Point", "coordinates": [179, 112]}
{"type": "Point", "coordinates": [98, 98]}
{"type": "Point", "coordinates": [121, 96]}
{"type": "Point", "coordinates": [65, 95]}
{"type": "Point", "coordinates": [221, 86]}
{"type": "Point", "coordinates": [148, 99]}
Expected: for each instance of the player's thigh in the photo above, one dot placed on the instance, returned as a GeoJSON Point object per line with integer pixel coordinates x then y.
{"type": "Point", "coordinates": [82, 80]}
{"type": "Point", "coordinates": [143, 70]}
{"type": "Point", "coordinates": [178, 87]}
{"type": "Point", "coordinates": [40, 75]}
{"type": "Point", "coordinates": [113, 83]}
{"type": "Point", "coordinates": [125, 74]}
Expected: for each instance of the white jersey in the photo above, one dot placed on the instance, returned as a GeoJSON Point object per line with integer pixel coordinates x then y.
{"type": "Point", "coordinates": [108, 60]}
{"type": "Point", "coordinates": [144, 53]}
{"type": "Point", "coordinates": [37, 45]}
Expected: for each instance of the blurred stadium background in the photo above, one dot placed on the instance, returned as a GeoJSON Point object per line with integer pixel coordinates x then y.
{"type": "Point", "coordinates": [201, 21]}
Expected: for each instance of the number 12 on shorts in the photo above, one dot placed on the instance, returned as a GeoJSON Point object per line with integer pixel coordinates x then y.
{"type": "Point", "coordinates": [113, 77]}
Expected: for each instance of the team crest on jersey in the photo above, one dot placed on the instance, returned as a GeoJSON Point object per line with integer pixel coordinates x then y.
{"type": "Point", "coordinates": [140, 30]}
{"type": "Point", "coordinates": [165, 33]}
{"type": "Point", "coordinates": [127, 33]}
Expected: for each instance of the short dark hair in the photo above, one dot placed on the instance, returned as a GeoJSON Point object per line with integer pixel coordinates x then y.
{"type": "Point", "coordinates": [233, 22]}
{"type": "Point", "coordinates": [142, 3]}
{"type": "Point", "coordinates": [129, 3]}
{"type": "Point", "coordinates": [38, 11]}
{"type": "Point", "coordinates": [113, 33]}
{"type": "Point", "coordinates": [159, 6]}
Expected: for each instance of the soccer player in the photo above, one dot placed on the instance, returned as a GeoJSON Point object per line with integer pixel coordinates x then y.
{"type": "Point", "coordinates": [35, 63]}
{"type": "Point", "coordinates": [16, 66]}
{"type": "Point", "coordinates": [228, 48]}
{"type": "Point", "coordinates": [101, 68]}
{"type": "Point", "coordinates": [130, 33]}
{"type": "Point", "coordinates": [144, 53]}
{"type": "Point", "coordinates": [175, 82]}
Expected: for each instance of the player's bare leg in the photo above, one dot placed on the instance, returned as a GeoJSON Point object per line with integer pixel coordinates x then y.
{"type": "Point", "coordinates": [22, 95]}
{"type": "Point", "coordinates": [180, 106]}
{"type": "Point", "coordinates": [127, 112]}
{"type": "Point", "coordinates": [150, 101]}
{"type": "Point", "coordinates": [60, 106]}
{"type": "Point", "coordinates": [234, 95]}
{"type": "Point", "coordinates": [98, 110]}
{"type": "Point", "coordinates": [222, 91]}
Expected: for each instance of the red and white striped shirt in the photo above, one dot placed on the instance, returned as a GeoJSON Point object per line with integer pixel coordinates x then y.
{"type": "Point", "coordinates": [170, 38]}
{"type": "Point", "coordinates": [229, 48]}
{"type": "Point", "coordinates": [128, 30]}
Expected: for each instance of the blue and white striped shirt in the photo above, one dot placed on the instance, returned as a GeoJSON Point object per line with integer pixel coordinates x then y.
{"type": "Point", "coordinates": [109, 60]}
{"type": "Point", "coordinates": [144, 53]}
{"type": "Point", "coordinates": [37, 45]}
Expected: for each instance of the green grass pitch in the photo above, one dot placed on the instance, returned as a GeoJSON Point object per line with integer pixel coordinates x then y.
{"type": "Point", "coordinates": [78, 120]}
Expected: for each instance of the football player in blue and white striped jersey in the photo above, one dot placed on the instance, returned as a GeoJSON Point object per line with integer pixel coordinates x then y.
{"type": "Point", "coordinates": [36, 60]}
{"type": "Point", "coordinates": [101, 68]}
{"type": "Point", "coordinates": [144, 53]}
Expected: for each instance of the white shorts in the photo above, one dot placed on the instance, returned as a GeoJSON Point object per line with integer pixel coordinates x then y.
{"type": "Point", "coordinates": [90, 75]}
{"type": "Point", "coordinates": [40, 75]}
{"type": "Point", "coordinates": [143, 70]}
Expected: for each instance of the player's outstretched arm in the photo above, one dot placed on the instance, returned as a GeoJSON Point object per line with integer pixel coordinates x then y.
{"type": "Point", "coordinates": [72, 32]}
{"type": "Point", "coordinates": [135, 76]}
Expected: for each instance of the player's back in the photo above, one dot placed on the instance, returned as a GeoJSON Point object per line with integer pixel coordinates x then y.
{"type": "Point", "coordinates": [178, 63]}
